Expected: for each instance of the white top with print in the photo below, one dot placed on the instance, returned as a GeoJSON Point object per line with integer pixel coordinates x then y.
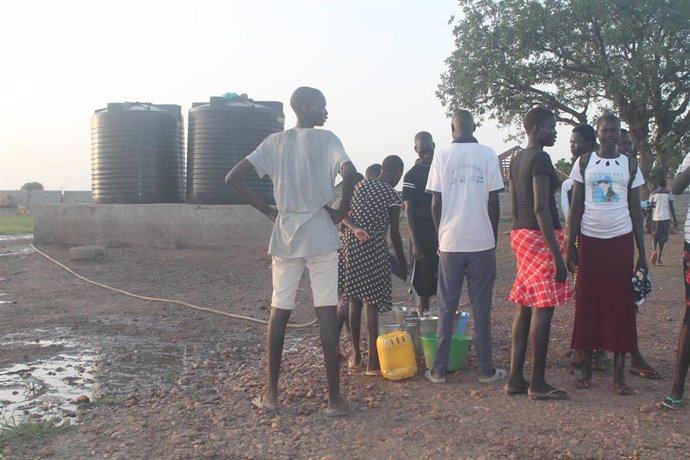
{"type": "Point", "coordinates": [464, 174]}
{"type": "Point", "coordinates": [606, 196]}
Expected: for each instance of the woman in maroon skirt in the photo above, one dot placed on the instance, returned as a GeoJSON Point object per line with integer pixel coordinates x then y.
{"type": "Point", "coordinates": [607, 215]}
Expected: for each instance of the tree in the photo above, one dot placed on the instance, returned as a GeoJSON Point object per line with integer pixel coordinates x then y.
{"type": "Point", "coordinates": [31, 187]}
{"type": "Point", "coordinates": [578, 57]}
{"type": "Point", "coordinates": [564, 166]}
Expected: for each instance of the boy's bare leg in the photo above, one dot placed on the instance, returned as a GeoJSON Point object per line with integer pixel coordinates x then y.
{"type": "Point", "coordinates": [275, 338]}
{"type": "Point", "coordinates": [328, 330]}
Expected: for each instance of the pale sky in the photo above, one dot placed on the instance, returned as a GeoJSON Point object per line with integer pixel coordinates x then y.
{"type": "Point", "coordinates": [378, 62]}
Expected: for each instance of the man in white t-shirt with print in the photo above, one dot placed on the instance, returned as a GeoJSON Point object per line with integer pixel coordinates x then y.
{"type": "Point", "coordinates": [302, 162]}
{"type": "Point", "coordinates": [465, 179]}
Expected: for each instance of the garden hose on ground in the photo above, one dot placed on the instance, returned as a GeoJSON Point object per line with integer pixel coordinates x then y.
{"type": "Point", "coordinates": [156, 299]}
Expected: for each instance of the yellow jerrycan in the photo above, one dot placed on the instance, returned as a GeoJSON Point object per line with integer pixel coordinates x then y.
{"type": "Point", "coordinates": [396, 355]}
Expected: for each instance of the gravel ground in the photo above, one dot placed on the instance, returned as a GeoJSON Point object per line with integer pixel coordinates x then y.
{"type": "Point", "coordinates": [177, 383]}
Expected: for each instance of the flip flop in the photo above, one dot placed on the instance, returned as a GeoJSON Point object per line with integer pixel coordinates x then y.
{"type": "Point", "coordinates": [259, 403]}
{"type": "Point", "coordinates": [671, 404]}
{"type": "Point", "coordinates": [583, 384]}
{"type": "Point", "coordinates": [374, 373]}
{"type": "Point", "coordinates": [498, 375]}
{"type": "Point", "coordinates": [510, 391]}
{"type": "Point", "coordinates": [622, 390]}
{"type": "Point", "coordinates": [654, 257]}
{"type": "Point", "coordinates": [556, 394]}
{"type": "Point", "coordinates": [347, 410]}
{"type": "Point", "coordinates": [433, 379]}
{"type": "Point", "coordinates": [645, 373]}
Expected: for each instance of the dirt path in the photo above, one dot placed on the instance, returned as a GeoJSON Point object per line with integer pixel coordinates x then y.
{"type": "Point", "coordinates": [168, 382]}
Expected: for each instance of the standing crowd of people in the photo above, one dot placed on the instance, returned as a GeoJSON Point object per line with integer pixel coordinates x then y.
{"type": "Point", "coordinates": [451, 203]}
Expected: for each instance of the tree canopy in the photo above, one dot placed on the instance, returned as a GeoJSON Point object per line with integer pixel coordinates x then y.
{"type": "Point", "coordinates": [564, 166]}
{"type": "Point", "coordinates": [31, 186]}
{"type": "Point", "coordinates": [577, 57]}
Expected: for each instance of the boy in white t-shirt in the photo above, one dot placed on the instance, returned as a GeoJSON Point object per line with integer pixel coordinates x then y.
{"type": "Point", "coordinates": [302, 162]}
{"type": "Point", "coordinates": [661, 202]}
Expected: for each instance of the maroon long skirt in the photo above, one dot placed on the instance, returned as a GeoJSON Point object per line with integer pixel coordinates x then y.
{"type": "Point", "coordinates": [604, 305]}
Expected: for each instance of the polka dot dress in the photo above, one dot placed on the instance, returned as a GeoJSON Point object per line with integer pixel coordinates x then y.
{"type": "Point", "coordinates": [364, 267]}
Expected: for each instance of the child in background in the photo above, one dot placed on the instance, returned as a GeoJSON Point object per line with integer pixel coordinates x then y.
{"type": "Point", "coordinates": [661, 202]}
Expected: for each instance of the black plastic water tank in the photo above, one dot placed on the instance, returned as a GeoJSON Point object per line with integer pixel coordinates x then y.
{"type": "Point", "coordinates": [137, 154]}
{"type": "Point", "coordinates": [221, 133]}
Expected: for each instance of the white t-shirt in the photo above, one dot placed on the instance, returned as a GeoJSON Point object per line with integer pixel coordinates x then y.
{"type": "Point", "coordinates": [566, 186]}
{"type": "Point", "coordinates": [683, 166]}
{"type": "Point", "coordinates": [606, 195]}
{"type": "Point", "coordinates": [662, 210]}
{"type": "Point", "coordinates": [303, 164]}
{"type": "Point", "coordinates": [464, 174]}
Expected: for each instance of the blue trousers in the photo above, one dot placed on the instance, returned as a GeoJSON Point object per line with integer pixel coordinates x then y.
{"type": "Point", "coordinates": [480, 270]}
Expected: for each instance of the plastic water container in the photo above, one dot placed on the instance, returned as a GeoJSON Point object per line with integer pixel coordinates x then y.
{"type": "Point", "coordinates": [396, 355]}
{"type": "Point", "coordinates": [462, 323]}
{"type": "Point", "coordinates": [459, 346]}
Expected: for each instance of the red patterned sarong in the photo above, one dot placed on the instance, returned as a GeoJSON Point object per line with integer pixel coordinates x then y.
{"type": "Point", "coordinates": [534, 284]}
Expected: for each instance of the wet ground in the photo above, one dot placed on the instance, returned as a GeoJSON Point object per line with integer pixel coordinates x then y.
{"type": "Point", "coordinates": [11, 245]}
{"type": "Point", "coordinates": [49, 387]}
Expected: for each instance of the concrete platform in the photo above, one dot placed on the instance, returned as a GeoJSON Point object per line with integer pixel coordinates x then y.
{"type": "Point", "coordinates": [153, 225]}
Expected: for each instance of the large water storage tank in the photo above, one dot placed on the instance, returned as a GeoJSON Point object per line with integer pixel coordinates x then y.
{"type": "Point", "coordinates": [137, 154]}
{"type": "Point", "coordinates": [221, 133]}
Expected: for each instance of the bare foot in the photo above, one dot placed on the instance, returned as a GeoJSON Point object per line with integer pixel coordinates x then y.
{"type": "Point", "coordinates": [516, 386]}
{"type": "Point", "coordinates": [338, 407]}
{"type": "Point", "coordinates": [265, 403]}
{"type": "Point", "coordinates": [354, 362]}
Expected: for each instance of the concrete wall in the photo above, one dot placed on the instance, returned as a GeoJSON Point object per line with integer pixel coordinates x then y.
{"type": "Point", "coordinates": [177, 225]}
{"type": "Point", "coordinates": [157, 225]}
{"type": "Point", "coordinates": [29, 199]}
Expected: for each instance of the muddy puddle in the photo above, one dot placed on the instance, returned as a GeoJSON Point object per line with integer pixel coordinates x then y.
{"type": "Point", "coordinates": [49, 374]}
{"type": "Point", "coordinates": [49, 387]}
{"type": "Point", "coordinates": [15, 245]}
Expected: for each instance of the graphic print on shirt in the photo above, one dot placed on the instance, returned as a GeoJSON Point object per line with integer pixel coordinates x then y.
{"type": "Point", "coordinates": [461, 175]}
{"type": "Point", "coordinates": [602, 189]}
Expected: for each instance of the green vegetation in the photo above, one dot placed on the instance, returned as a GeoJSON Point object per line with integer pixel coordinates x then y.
{"type": "Point", "coordinates": [578, 57]}
{"type": "Point", "coordinates": [564, 166]}
{"type": "Point", "coordinates": [169, 376]}
{"type": "Point", "coordinates": [16, 225]}
{"type": "Point", "coordinates": [32, 186]}
{"type": "Point", "coordinates": [28, 430]}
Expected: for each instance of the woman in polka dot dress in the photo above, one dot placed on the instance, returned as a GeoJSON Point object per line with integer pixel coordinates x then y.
{"type": "Point", "coordinates": [365, 271]}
